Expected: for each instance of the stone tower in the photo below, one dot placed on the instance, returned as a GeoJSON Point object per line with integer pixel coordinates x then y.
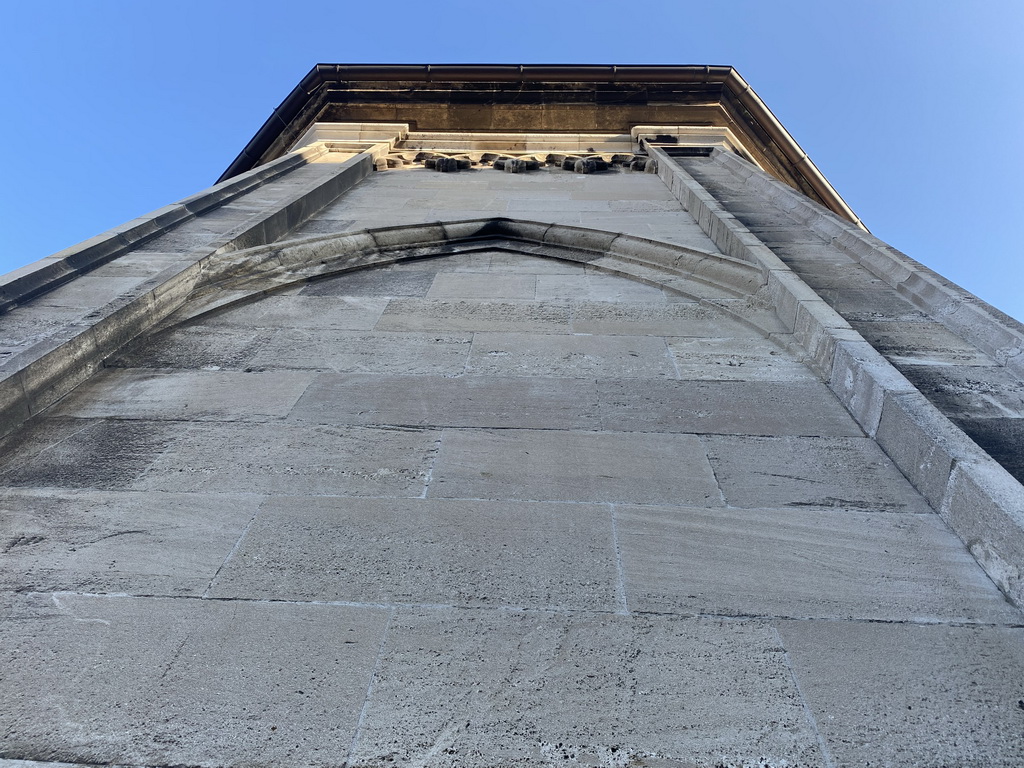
{"type": "Point", "coordinates": [509, 416]}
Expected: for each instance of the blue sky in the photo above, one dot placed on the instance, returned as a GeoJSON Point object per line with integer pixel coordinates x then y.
{"type": "Point", "coordinates": [913, 110]}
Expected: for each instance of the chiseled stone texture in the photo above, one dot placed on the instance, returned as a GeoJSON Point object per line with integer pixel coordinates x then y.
{"type": "Point", "coordinates": [482, 510]}
{"type": "Point", "coordinates": [526, 689]}
{"type": "Point", "coordinates": [157, 681]}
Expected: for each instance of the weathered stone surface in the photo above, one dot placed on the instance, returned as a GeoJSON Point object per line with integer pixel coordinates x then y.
{"type": "Point", "coordinates": [194, 347]}
{"type": "Point", "coordinates": [808, 564]}
{"type": "Point", "coordinates": [342, 312]}
{"type": "Point", "coordinates": [372, 282]}
{"type": "Point", "coordinates": [1002, 439]}
{"type": "Point", "coordinates": [480, 688]}
{"type": "Point", "coordinates": [635, 318]}
{"type": "Point", "coordinates": [464, 315]}
{"type": "Point", "coordinates": [466, 401]}
{"type": "Point", "coordinates": [735, 359]}
{"type": "Point", "coordinates": [83, 453]}
{"type": "Point", "coordinates": [845, 472]}
{"type": "Point", "coordinates": [594, 286]}
{"type": "Point", "coordinates": [96, 679]}
{"type": "Point", "coordinates": [158, 544]}
{"type": "Point", "coordinates": [903, 694]}
{"type": "Point", "coordinates": [969, 391]}
{"type": "Point", "coordinates": [187, 395]}
{"type": "Point", "coordinates": [479, 554]}
{"type": "Point", "coordinates": [723, 408]}
{"type": "Point", "coordinates": [506, 492]}
{"type": "Point", "coordinates": [525, 354]}
{"type": "Point", "coordinates": [274, 458]}
{"type": "Point", "coordinates": [921, 344]}
{"type": "Point", "coordinates": [476, 286]}
{"type": "Point", "coordinates": [541, 465]}
{"type": "Point", "coordinates": [444, 354]}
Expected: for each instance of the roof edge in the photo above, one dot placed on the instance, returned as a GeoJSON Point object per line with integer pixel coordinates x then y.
{"type": "Point", "coordinates": [726, 76]}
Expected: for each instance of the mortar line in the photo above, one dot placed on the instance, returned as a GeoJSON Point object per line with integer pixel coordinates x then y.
{"type": "Point", "coordinates": [520, 609]}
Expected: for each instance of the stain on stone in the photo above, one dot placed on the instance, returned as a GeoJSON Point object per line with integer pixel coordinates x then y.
{"type": "Point", "coordinates": [193, 349]}
{"type": "Point", "coordinates": [1002, 439]}
{"type": "Point", "coordinates": [77, 453]}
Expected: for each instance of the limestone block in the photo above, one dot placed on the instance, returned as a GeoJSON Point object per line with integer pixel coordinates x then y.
{"type": "Point", "coordinates": [465, 401]}
{"type": "Point", "coordinates": [910, 694]}
{"type": "Point", "coordinates": [861, 378]}
{"type": "Point", "coordinates": [1001, 438]}
{"type": "Point", "coordinates": [293, 459]}
{"type": "Point", "coordinates": [923, 343]}
{"type": "Point", "coordinates": [464, 285]}
{"type": "Point", "coordinates": [984, 504]}
{"type": "Point", "coordinates": [186, 395]}
{"type": "Point", "coordinates": [823, 472]}
{"type": "Point", "coordinates": [976, 391]}
{"type": "Point", "coordinates": [640, 318]}
{"type": "Point", "coordinates": [700, 692]}
{"type": "Point", "coordinates": [481, 554]}
{"type": "Point", "coordinates": [597, 286]}
{"type": "Point", "coordinates": [579, 237]}
{"type": "Point", "coordinates": [736, 358]}
{"type": "Point", "coordinates": [546, 465]}
{"type": "Point", "coordinates": [184, 681]}
{"type": "Point", "coordinates": [576, 356]}
{"type": "Point", "coordinates": [723, 408]}
{"type": "Point", "coordinates": [463, 316]}
{"type": "Point", "coordinates": [89, 541]}
{"type": "Point", "coordinates": [84, 453]}
{"type": "Point", "coordinates": [444, 354]}
{"type": "Point", "coordinates": [353, 291]}
{"type": "Point", "coordinates": [922, 443]}
{"type": "Point", "coordinates": [867, 305]}
{"type": "Point", "coordinates": [811, 563]}
{"type": "Point", "coordinates": [818, 329]}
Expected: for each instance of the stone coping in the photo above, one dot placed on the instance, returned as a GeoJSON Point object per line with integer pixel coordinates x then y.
{"type": "Point", "coordinates": [36, 377]}
{"type": "Point", "coordinates": [980, 501]}
{"type": "Point", "coordinates": [48, 273]}
{"type": "Point", "coordinates": [992, 331]}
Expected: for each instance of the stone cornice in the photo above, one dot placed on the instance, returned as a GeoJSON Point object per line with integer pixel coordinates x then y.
{"type": "Point", "coordinates": [438, 96]}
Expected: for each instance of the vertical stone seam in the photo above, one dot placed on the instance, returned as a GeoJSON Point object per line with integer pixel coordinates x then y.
{"type": "Point", "coordinates": [231, 553]}
{"type": "Point", "coordinates": [374, 674]}
{"type": "Point", "coordinates": [620, 586]}
{"type": "Point", "coordinates": [711, 466]}
{"type": "Point", "coordinates": [808, 712]}
{"type": "Point", "coordinates": [433, 463]}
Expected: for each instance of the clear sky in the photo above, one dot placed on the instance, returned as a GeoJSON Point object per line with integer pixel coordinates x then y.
{"type": "Point", "coordinates": [913, 110]}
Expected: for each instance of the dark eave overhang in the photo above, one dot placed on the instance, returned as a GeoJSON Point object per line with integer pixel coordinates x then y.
{"type": "Point", "coordinates": [711, 86]}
